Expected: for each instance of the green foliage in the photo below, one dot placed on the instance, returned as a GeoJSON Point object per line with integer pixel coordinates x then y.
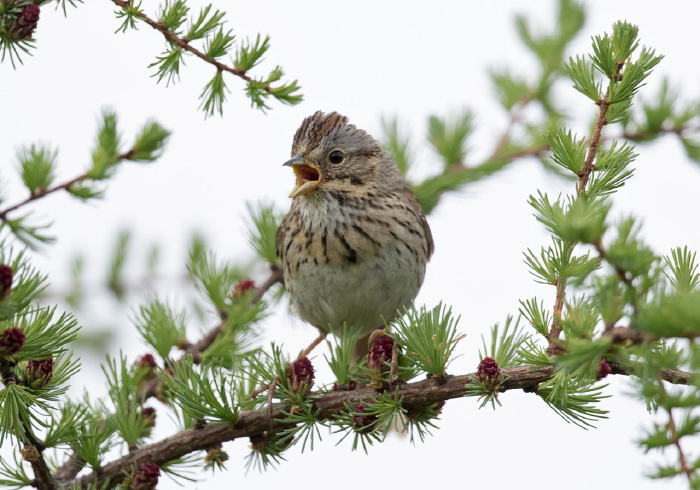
{"type": "Point", "coordinates": [27, 283]}
{"type": "Point", "coordinates": [150, 143]}
{"type": "Point", "coordinates": [239, 333]}
{"type": "Point", "coordinates": [449, 137]}
{"type": "Point", "coordinates": [46, 336]}
{"type": "Point", "coordinates": [61, 429]}
{"type": "Point", "coordinates": [38, 167]}
{"type": "Point", "coordinates": [160, 326]}
{"type": "Point", "coordinates": [250, 54]}
{"type": "Point", "coordinates": [263, 222]}
{"type": "Point", "coordinates": [684, 275]}
{"type": "Point", "coordinates": [94, 436]}
{"type": "Point", "coordinates": [379, 415]}
{"type": "Point", "coordinates": [397, 145]}
{"type": "Point", "coordinates": [207, 38]}
{"type": "Point", "coordinates": [13, 474]}
{"type": "Point", "coordinates": [557, 263]}
{"type": "Point", "coordinates": [575, 220]}
{"type": "Point", "coordinates": [567, 151]}
{"type": "Point", "coordinates": [428, 338]}
{"type": "Point", "coordinates": [536, 315]}
{"type": "Point", "coordinates": [214, 281]}
{"type": "Point", "coordinates": [611, 170]}
{"type": "Point", "coordinates": [503, 347]}
{"type": "Point", "coordinates": [341, 354]}
{"type": "Point", "coordinates": [604, 277]}
{"type": "Point", "coordinates": [204, 393]}
{"type": "Point", "coordinates": [128, 422]}
{"type": "Point", "coordinates": [115, 272]}
{"type": "Point", "coordinates": [573, 400]}
{"type": "Point", "coordinates": [214, 95]}
{"type": "Point", "coordinates": [671, 315]}
{"type": "Point", "coordinates": [105, 155]}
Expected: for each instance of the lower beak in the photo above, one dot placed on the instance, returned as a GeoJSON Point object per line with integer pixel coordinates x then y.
{"type": "Point", "coordinates": [308, 176]}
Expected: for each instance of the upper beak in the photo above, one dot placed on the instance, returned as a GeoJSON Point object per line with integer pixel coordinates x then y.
{"type": "Point", "coordinates": [308, 176]}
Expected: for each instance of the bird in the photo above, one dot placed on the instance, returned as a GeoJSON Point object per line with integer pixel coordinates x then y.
{"type": "Point", "coordinates": [355, 243]}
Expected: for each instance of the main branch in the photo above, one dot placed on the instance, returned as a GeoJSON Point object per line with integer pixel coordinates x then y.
{"type": "Point", "coordinates": [183, 44]}
{"type": "Point", "coordinates": [327, 406]}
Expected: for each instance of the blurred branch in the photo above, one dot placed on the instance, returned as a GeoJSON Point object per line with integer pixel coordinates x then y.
{"type": "Point", "coordinates": [43, 193]}
{"type": "Point", "coordinates": [196, 349]}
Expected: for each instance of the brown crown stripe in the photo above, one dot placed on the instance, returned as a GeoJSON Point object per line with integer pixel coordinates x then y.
{"type": "Point", "coordinates": [314, 128]}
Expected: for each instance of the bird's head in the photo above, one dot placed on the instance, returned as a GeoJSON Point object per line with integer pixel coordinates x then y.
{"type": "Point", "coordinates": [330, 154]}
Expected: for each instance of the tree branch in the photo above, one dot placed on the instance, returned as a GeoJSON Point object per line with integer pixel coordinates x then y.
{"type": "Point", "coordinates": [602, 120]}
{"type": "Point", "coordinates": [40, 194]}
{"type": "Point", "coordinates": [327, 406]}
{"type": "Point", "coordinates": [72, 467]}
{"type": "Point", "coordinates": [184, 44]}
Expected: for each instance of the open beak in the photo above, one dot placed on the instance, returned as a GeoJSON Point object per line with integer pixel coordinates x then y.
{"type": "Point", "coordinates": [308, 176]}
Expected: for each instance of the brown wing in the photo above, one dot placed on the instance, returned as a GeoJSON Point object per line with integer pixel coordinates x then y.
{"type": "Point", "coordinates": [423, 221]}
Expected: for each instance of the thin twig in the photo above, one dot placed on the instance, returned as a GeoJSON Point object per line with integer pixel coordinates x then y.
{"type": "Point", "coordinates": [584, 176]}
{"type": "Point", "coordinates": [602, 120]}
{"type": "Point", "coordinates": [555, 330]}
{"type": "Point", "coordinates": [675, 438]}
{"type": "Point", "coordinates": [515, 116]}
{"type": "Point", "coordinates": [184, 44]}
{"type": "Point", "coordinates": [42, 193]}
{"type": "Point", "coordinates": [196, 349]}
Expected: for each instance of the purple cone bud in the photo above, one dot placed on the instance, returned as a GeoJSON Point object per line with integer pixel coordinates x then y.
{"type": "Point", "coordinates": [352, 385]}
{"type": "Point", "coordinates": [488, 370]}
{"type": "Point", "coordinates": [603, 369]}
{"type": "Point", "coordinates": [363, 423]}
{"type": "Point", "coordinates": [146, 477]}
{"type": "Point", "coordinates": [301, 375]}
{"type": "Point", "coordinates": [149, 413]}
{"type": "Point", "coordinates": [40, 371]}
{"type": "Point", "coordinates": [242, 287]}
{"type": "Point", "coordinates": [22, 26]}
{"type": "Point", "coordinates": [11, 341]}
{"type": "Point", "coordinates": [146, 361]}
{"type": "Point", "coordinates": [5, 280]}
{"type": "Point", "coordinates": [379, 354]}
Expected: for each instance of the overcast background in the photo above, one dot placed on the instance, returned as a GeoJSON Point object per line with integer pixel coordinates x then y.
{"type": "Point", "coordinates": [366, 60]}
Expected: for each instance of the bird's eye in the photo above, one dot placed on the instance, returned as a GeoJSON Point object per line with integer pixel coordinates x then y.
{"type": "Point", "coordinates": [336, 156]}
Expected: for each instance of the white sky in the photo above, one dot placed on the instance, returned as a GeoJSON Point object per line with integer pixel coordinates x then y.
{"type": "Point", "coordinates": [366, 60]}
